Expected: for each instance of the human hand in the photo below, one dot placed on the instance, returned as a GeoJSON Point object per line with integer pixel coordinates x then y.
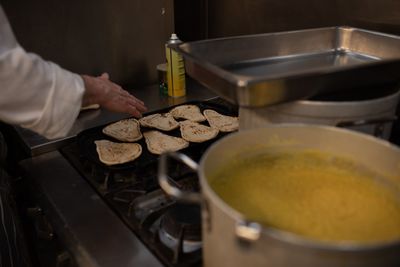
{"type": "Point", "coordinates": [100, 90]}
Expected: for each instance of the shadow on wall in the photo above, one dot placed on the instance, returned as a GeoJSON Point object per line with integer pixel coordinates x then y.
{"type": "Point", "coordinates": [123, 37]}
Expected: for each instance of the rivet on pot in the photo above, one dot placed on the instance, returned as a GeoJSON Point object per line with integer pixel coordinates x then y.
{"type": "Point", "coordinates": [248, 231]}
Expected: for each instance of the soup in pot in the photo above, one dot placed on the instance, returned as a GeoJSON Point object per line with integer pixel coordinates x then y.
{"type": "Point", "coordinates": [313, 194]}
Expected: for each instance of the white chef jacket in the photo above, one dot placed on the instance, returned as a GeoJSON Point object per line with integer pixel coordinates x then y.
{"type": "Point", "coordinates": [34, 93]}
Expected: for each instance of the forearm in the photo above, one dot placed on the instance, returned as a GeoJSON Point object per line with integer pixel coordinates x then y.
{"type": "Point", "coordinates": [37, 94]}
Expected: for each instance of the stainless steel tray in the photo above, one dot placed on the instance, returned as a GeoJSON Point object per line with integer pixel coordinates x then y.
{"type": "Point", "coordinates": [265, 69]}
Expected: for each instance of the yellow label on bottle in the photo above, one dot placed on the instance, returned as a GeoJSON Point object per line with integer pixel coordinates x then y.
{"type": "Point", "coordinates": [175, 73]}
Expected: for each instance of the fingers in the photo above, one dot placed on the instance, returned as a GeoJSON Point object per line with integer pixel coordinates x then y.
{"type": "Point", "coordinates": [105, 76]}
{"type": "Point", "coordinates": [112, 97]}
{"type": "Point", "coordinates": [134, 112]}
{"type": "Point", "coordinates": [134, 101]}
{"type": "Point", "coordinates": [139, 101]}
{"type": "Point", "coordinates": [141, 107]}
{"type": "Point", "coordinates": [129, 106]}
{"type": "Point", "coordinates": [127, 103]}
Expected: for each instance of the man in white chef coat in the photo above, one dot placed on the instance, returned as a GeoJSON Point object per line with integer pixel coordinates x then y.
{"type": "Point", "coordinates": [43, 97]}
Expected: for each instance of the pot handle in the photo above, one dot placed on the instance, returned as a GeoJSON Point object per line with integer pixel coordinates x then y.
{"type": "Point", "coordinates": [164, 179]}
{"type": "Point", "coordinates": [366, 122]}
{"type": "Point", "coordinates": [379, 121]}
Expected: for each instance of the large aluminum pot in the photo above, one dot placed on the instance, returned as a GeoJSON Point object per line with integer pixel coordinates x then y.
{"type": "Point", "coordinates": [230, 240]}
{"type": "Point", "coordinates": [372, 115]}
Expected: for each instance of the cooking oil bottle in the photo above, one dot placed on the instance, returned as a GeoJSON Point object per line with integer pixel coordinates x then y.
{"type": "Point", "coordinates": [175, 68]}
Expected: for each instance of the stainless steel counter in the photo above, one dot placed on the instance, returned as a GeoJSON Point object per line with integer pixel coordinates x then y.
{"type": "Point", "coordinates": [36, 144]}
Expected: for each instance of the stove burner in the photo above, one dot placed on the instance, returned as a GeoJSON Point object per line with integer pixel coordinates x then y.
{"type": "Point", "coordinates": [170, 230]}
{"type": "Point", "coordinates": [180, 228]}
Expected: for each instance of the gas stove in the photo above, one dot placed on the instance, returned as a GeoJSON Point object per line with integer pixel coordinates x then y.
{"type": "Point", "coordinates": [170, 230]}
{"type": "Point", "coordinates": [117, 216]}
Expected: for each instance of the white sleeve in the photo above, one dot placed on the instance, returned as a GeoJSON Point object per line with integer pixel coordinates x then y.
{"type": "Point", "coordinates": [34, 93]}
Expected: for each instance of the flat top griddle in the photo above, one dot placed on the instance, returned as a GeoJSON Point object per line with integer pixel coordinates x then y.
{"type": "Point", "coordinates": [87, 138]}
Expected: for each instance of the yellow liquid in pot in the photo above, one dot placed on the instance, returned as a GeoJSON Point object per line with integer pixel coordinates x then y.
{"type": "Point", "coordinates": [313, 194]}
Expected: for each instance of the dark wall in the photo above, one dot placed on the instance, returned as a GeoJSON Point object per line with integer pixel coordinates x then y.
{"type": "Point", "coordinates": [237, 17]}
{"type": "Point", "coordinates": [383, 15]}
{"type": "Point", "coordinates": [126, 37]}
{"type": "Point", "coordinates": [191, 19]}
{"type": "Point", "coordinates": [123, 37]}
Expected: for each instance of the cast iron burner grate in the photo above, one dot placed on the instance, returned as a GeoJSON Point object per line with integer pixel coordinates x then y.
{"type": "Point", "coordinates": [172, 231]}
